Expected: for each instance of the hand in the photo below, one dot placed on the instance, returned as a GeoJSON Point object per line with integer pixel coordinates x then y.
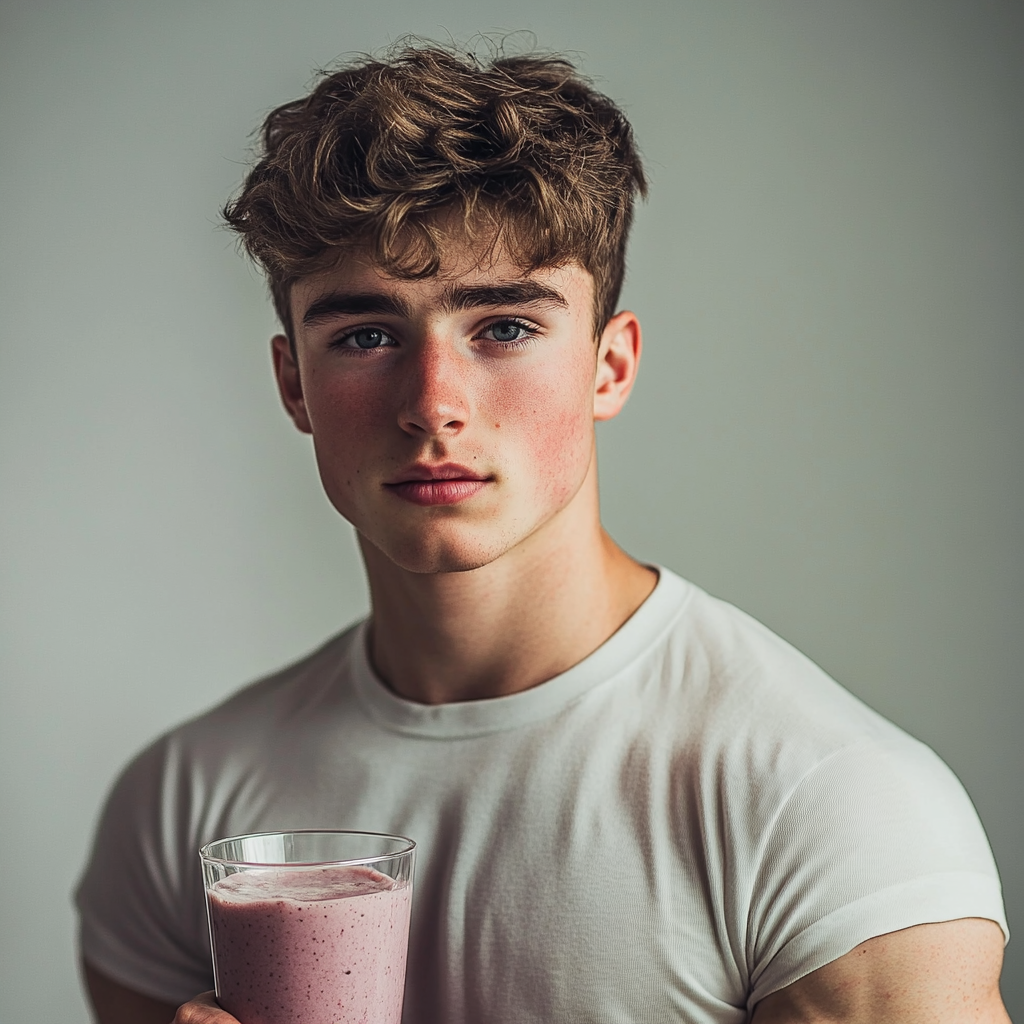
{"type": "Point", "coordinates": [204, 1009]}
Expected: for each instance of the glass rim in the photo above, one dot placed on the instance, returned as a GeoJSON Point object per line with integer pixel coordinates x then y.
{"type": "Point", "coordinates": [409, 845]}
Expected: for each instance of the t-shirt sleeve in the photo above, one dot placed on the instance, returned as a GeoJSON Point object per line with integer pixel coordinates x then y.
{"type": "Point", "coordinates": [876, 838]}
{"type": "Point", "coordinates": [141, 905]}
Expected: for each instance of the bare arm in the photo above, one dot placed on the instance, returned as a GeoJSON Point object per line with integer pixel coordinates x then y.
{"type": "Point", "coordinates": [932, 974]}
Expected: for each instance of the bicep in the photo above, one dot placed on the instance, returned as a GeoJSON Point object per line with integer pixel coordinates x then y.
{"type": "Point", "coordinates": [944, 973]}
{"type": "Point", "coordinates": [113, 1003]}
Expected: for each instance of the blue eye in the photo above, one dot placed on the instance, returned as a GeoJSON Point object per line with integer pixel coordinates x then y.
{"type": "Point", "coordinates": [506, 331]}
{"type": "Point", "coordinates": [510, 331]}
{"type": "Point", "coordinates": [368, 337]}
{"type": "Point", "coordinates": [364, 339]}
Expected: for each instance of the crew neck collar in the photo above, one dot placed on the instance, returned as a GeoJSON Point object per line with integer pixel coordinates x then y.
{"type": "Point", "coordinates": [496, 714]}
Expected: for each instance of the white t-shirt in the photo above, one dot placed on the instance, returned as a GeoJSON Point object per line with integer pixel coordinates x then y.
{"type": "Point", "coordinates": [686, 821]}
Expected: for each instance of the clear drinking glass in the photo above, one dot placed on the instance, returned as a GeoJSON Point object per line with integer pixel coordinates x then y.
{"type": "Point", "coordinates": [310, 927]}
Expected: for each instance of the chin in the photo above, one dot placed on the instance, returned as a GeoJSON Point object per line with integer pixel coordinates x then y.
{"type": "Point", "coordinates": [441, 550]}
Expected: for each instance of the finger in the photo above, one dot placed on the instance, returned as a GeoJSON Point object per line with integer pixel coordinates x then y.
{"type": "Point", "coordinates": [203, 1010]}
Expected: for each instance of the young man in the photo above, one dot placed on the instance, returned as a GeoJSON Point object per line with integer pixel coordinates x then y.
{"type": "Point", "coordinates": [632, 802]}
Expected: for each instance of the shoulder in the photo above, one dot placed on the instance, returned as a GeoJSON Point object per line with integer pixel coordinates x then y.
{"type": "Point", "coordinates": [766, 741]}
{"type": "Point", "coordinates": [745, 692]}
{"type": "Point", "coordinates": [311, 680]}
{"type": "Point", "coordinates": [299, 691]}
{"type": "Point", "coordinates": [839, 826]}
{"type": "Point", "coordinates": [222, 742]}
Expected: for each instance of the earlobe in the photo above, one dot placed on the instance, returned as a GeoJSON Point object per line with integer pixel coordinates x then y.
{"type": "Point", "coordinates": [618, 358]}
{"type": "Point", "coordinates": [289, 382]}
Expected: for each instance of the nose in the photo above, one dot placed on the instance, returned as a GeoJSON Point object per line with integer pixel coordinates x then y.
{"type": "Point", "coordinates": [435, 401]}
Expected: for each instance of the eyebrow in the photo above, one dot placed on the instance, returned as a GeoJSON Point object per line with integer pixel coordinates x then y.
{"type": "Point", "coordinates": [517, 293]}
{"type": "Point", "coordinates": [340, 304]}
{"type": "Point", "coordinates": [454, 299]}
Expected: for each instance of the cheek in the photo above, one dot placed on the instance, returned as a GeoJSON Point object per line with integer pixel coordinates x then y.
{"type": "Point", "coordinates": [560, 440]}
{"type": "Point", "coordinates": [341, 414]}
{"type": "Point", "coordinates": [346, 423]}
{"type": "Point", "coordinates": [552, 416]}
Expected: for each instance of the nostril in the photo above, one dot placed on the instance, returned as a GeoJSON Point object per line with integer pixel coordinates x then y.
{"type": "Point", "coordinates": [436, 420]}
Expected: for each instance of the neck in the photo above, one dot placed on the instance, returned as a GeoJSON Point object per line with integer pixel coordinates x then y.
{"type": "Point", "coordinates": [509, 625]}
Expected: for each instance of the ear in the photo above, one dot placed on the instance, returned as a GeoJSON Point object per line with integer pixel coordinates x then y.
{"type": "Point", "coordinates": [289, 382]}
{"type": "Point", "coordinates": [618, 358]}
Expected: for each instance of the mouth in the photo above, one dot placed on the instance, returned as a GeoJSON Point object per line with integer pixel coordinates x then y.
{"type": "Point", "coordinates": [445, 484]}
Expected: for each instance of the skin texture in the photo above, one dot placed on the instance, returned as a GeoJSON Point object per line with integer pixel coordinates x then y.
{"type": "Point", "coordinates": [932, 973]}
{"type": "Point", "coordinates": [517, 582]}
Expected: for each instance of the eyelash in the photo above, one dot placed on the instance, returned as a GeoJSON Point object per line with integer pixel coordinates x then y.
{"type": "Point", "coordinates": [532, 331]}
{"type": "Point", "coordinates": [339, 343]}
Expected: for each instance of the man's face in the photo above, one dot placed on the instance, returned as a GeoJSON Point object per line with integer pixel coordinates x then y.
{"type": "Point", "coordinates": [453, 416]}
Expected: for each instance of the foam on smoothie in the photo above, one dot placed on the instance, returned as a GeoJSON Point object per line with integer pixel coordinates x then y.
{"type": "Point", "coordinates": [305, 885]}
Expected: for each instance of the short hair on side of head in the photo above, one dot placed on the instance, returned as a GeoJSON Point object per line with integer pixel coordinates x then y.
{"type": "Point", "coordinates": [522, 148]}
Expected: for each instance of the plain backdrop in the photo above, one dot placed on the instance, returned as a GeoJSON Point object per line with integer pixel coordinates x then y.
{"type": "Point", "coordinates": [828, 430]}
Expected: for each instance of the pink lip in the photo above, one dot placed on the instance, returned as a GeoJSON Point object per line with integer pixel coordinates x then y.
{"type": "Point", "coordinates": [447, 484]}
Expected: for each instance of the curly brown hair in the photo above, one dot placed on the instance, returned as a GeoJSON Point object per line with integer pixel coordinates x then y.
{"type": "Point", "coordinates": [522, 148]}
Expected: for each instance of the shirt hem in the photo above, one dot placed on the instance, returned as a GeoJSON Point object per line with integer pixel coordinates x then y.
{"type": "Point", "coordinates": [949, 896]}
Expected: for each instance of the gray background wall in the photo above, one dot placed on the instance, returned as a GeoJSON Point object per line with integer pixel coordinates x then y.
{"type": "Point", "coordinates": [828, 430]}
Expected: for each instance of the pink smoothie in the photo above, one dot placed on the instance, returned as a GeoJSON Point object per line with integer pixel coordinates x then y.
{"type": "Point", "coordinates": [319, 945]}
